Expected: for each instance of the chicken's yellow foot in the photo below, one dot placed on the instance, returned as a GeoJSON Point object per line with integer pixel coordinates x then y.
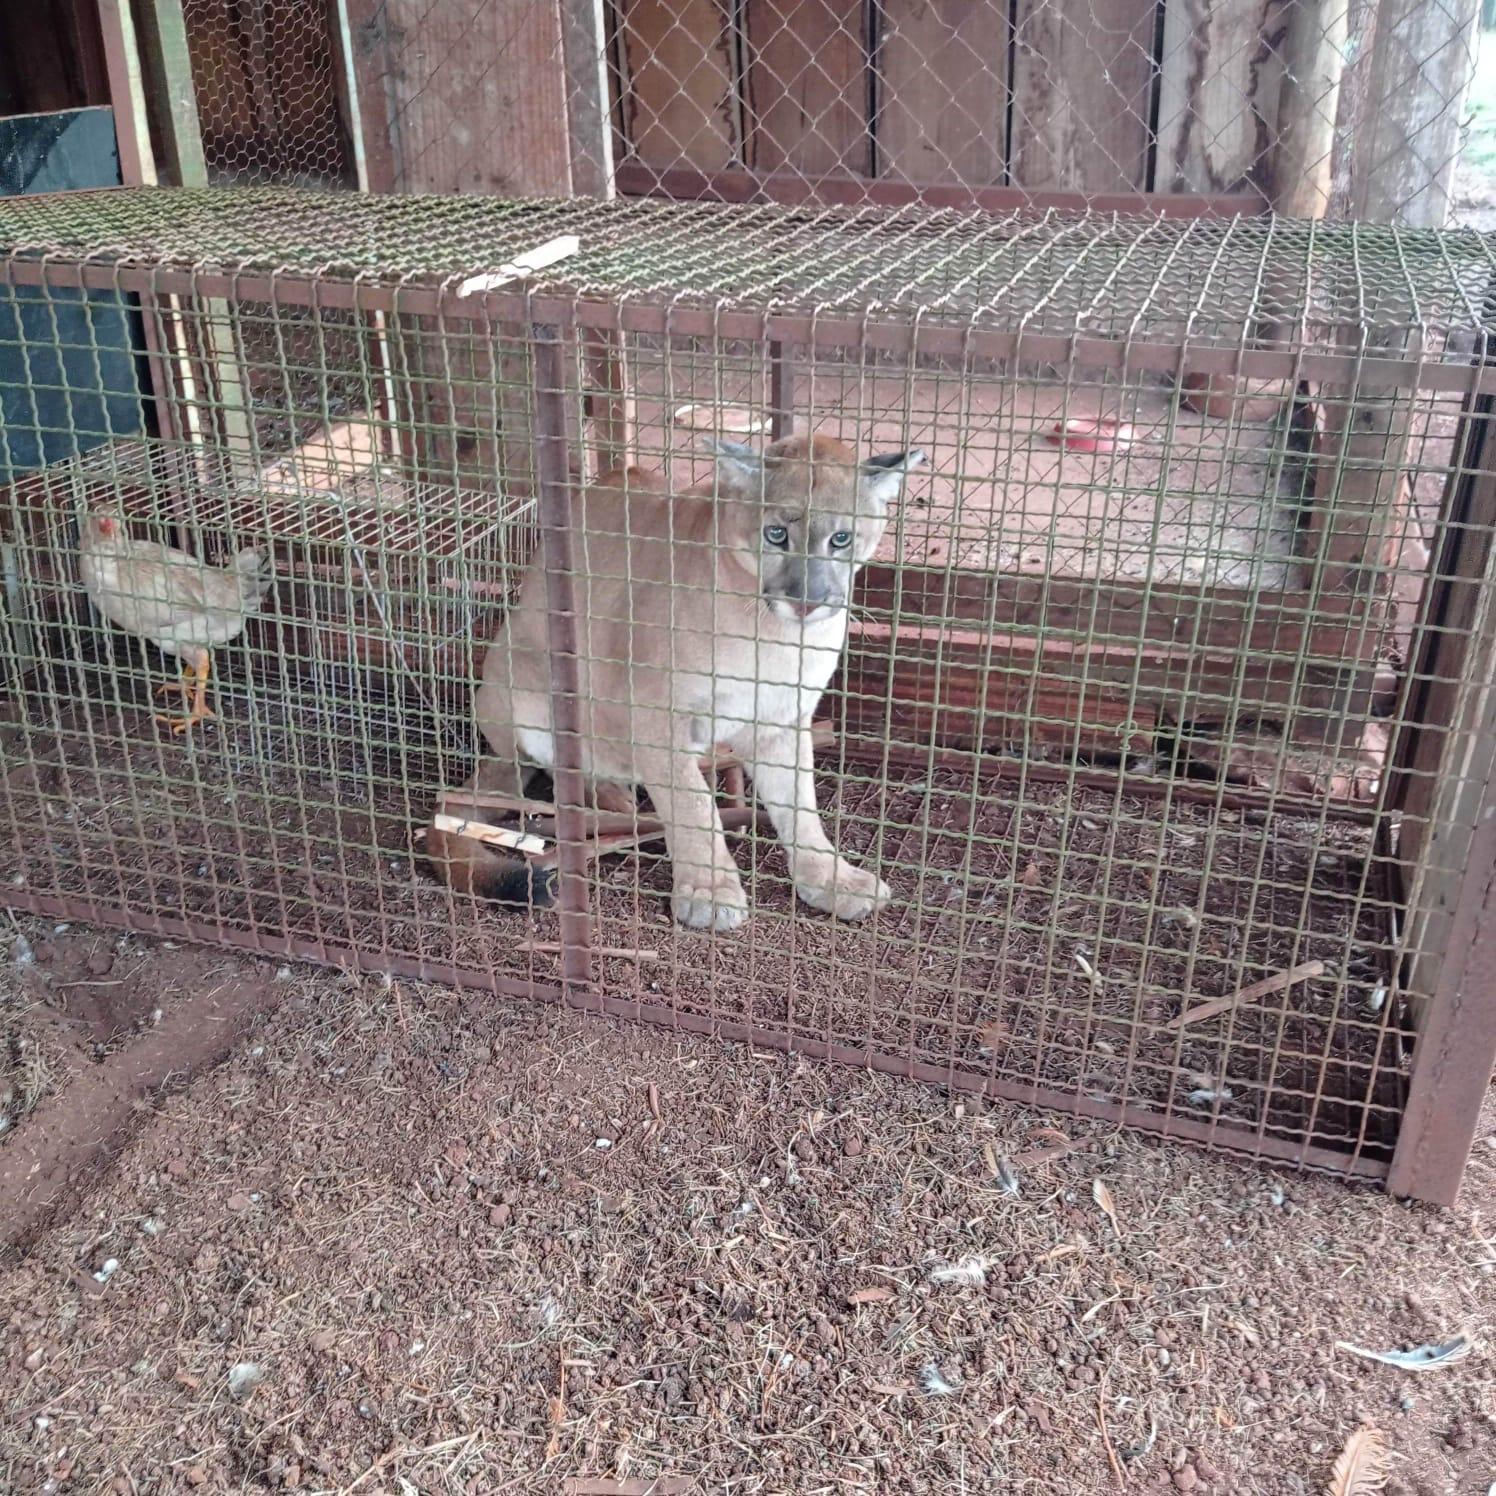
{"type": "Point", "coordinates": [182, 685]}
{"type": "Point", "coordinates": [195, 682]}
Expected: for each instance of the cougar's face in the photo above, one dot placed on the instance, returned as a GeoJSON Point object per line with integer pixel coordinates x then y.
{"type": "Point", "coordinates": [820, 514]}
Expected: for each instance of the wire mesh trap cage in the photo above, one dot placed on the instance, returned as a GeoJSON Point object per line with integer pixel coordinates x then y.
{"type": "Point", "coordinates": [1151, 776]}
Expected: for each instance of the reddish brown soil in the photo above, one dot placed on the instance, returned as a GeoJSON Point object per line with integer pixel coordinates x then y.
{"type": "Point", "coordinates": [473, 1245]}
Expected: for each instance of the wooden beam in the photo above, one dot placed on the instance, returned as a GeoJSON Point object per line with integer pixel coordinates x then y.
{"type": "Point", "coordinates": [748, 185]}
{"type": "Point", "coordinates": [608, 404]}
{"type": "Point", "coordinates": [171, 67]}
{"type": "Point", "coordinates": [589, 124]}
{"type": "Point", "coordinates": [132, 125]}
{"type": "Point", "coordinates": [369, 62]}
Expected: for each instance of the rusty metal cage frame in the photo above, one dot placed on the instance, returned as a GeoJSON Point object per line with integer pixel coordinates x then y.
{"type": "Point", "coordinates": [1454, 1047]}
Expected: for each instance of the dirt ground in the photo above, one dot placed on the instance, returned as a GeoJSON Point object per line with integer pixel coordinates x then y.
{"type": "Point", "coordinates": [407, 1239]}
{"type": "Point", "coordinates": [275, 1228]}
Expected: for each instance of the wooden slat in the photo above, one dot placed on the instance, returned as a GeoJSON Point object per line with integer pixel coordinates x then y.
{"type": "Point", "coordinates": [370, 65]}
{"type": "Point", "coordinates": [807, 86]}
{"type": "Point", "coordinates": [1359, 511]}
{"type": "Point", "coordinates": [1218, 92]}
{"type": "Point", "coordinates": [1121, 614]}
{"type": "Point", "coordinates": [478, 97]}
{"type": "Point", "coordinates": [1308, 107]}
{"type": "Point", "coordinates": [740, 185]}
{"type": "Point", "coordinates": [966, 690]}
{"type": "Point", "coordinates": [1082, 77]}
{"type": "Point", "coordinates": [680, 101]}
{"type": "Point", "coordinates": [588, 115]}
{"type": "Point", "coordinates": [943, 92]}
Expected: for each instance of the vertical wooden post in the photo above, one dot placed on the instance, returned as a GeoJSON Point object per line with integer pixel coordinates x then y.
{"type": "Point", "coordinates": [132, 127]}
{"type": "Point", "coordinates": [609, 406]}
{"type": "Point", "coordinates": [137, 161]}
{"type": "Point", "coordinates": [171, 64]}
{"type": "Point", "coordinates": [353, 115]}
{"type": "Point", "coordinates": [1447, 788]}
{"type": "Point", "coordinates": [1402, 168]}
{"type": "Point", "coordinates": [558, 544]}
{"type": "Point", "coordinates": [781, 391]}
{"type": "Point", "coordinates": [1308, 102]}
{"type": "Point", "coordinates": [588, 122]}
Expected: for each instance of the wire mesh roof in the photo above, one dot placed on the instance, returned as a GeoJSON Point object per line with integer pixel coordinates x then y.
{"type": "Point", "coordinates": [1208, 280]}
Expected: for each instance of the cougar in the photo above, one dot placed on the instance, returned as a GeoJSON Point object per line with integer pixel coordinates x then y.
{"type": "Point", "coordinates": [710, 617]}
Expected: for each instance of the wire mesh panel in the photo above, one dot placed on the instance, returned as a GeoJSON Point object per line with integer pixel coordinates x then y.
{"type": "Point", "coordinates": [265, 79]}
{"type": "Point", "coordinates": [958, 678]}
{"type": "Point", "coordinates": [1305, 105]}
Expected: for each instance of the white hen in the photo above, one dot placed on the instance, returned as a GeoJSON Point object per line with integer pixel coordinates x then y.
{"type": "Point", "coordinates": [182, 605]}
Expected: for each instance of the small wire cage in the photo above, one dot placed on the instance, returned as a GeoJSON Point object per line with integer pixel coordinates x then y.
{"type": "Point", "coordinates": [1165, 720]}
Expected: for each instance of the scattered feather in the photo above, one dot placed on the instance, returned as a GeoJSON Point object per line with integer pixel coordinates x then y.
{"type": "Point", "coordinates": [1209, 1095]}
{"type": "Point", "coordinates": [1421, 1357]}
{"type": "Point", "coordinates": [1363, 1465]}
{"type": "Point", "coordinates": [935, 1383]}
{"type": "Point", "coordinates": [244, 1377]}
{"type": "Point", "coordinates": [1055, 1145]}
{"type": "Point", "coordinates": [970, 1272]}
{"type": "Point", "coordinates": [550, 1312]}
{"type": "Point", "coordinates": [1180, 916]}
{"type": "Point", "coordinates": [1001, 1170]}
{"type": "Point", "coordinates": [1086, 968]}
{"type": "Point", "coordinates": [1103, 1197]}
{"type": "Point", "coordinates": [1141, 1451]}
{"type": "Point", "coordinates": [993, 1037]}
{"type": "Point", "coordinates": [22, 953]}
{"type": "Point", "coordinates": [107, 1271]}
{"type": "Point", "coordinates": [1377, 1000]}
{"type": "Point", "coordinates": [874, 1295]}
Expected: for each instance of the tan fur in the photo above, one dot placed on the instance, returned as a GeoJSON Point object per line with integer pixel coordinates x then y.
{"type": "Point", "coordinates": [696, 628]}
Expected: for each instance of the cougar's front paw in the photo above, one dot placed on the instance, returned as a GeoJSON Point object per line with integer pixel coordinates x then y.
{"type": "Point", "coordinates": [843, 890]}
{"type": "Point", "coordinates": [719, 904]}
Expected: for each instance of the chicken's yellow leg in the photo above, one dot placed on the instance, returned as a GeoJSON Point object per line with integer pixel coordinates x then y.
{"type": "Point", "coordinates": [200, 664]}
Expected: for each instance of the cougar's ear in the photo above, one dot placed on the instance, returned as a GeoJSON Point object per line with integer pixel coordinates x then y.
{"type": "Point", "coordinates": [883, 476]}
{"type": "Point", "coordinates": [740, 469]}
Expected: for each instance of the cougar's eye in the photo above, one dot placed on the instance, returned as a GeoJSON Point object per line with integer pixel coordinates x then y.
{"type": "Point", "coordinates": [841, 540]}
{"type": "Point", "coordinates": [776, 534]}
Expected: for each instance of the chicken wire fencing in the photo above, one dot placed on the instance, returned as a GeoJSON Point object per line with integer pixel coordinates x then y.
{"type": "Point", "coordinates": [1151, 776]}
{"type": "Point", "coordinates": [1350, 106]}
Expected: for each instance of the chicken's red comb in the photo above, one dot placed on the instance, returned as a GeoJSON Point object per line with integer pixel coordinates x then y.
{"type": "Point", "coordinates": [105, 523]}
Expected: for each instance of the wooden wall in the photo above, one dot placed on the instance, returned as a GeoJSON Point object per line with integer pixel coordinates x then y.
{"type": "Point", "coordinates": [1064, 96]}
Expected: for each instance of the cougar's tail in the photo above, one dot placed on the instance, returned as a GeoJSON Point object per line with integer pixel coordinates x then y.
{"type": "Point", "coordinates": [472, 867]}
